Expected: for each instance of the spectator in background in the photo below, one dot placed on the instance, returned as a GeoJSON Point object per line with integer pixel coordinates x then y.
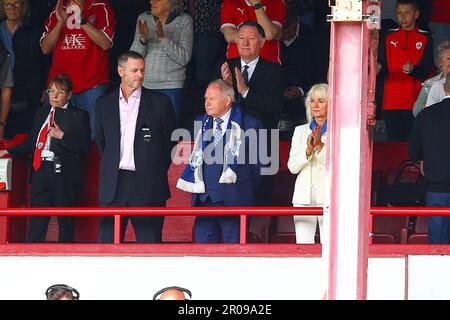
{"type": "Point", "coordinates": [219, 172]}
{"type": "Point", "coordinates": [297, 60]}
{"type": "Point", "coordinates": [270, 14]}
{"type": "Point", "coordinates": [133, 131]}
{"type": "Point", "coordinates": [164, 37]}
{"type": "Point", "coordinates": [405, 58]}
{"type": "Point", "coordinates": [307, 159]}
{"type": "Point", "coordinates": [429, 144]}
{"type": "Point", "coordinates": [58, 140]}
{"type": "Point", "coordinates": [21, 39]}
{"type": "Point", "coordinates": [62, 292]}
{"type": "Point", "coordinates": [79, 34]}
{"type": "Point", "coordinates": [209, 48]}
{"type": "Point", "coordinates": [433, 89]}
{"type": "Point", "coordinates": [440, 24]}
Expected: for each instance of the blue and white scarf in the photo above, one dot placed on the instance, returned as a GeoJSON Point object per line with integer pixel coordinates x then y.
{"type": "Point", "coordinates": [191, 179]}
{"type": "Point", "coordinates": [313, 125]}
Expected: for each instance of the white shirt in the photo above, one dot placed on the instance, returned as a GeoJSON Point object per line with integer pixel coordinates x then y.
{"type": "Point", "coordinates": [224, 125]}
{"type": "Point", "coordinates": [128, 118]}
{"type": "Point", "coordinates": [46, 153]}
{"type": "Point", "coordinates": [250, 70]}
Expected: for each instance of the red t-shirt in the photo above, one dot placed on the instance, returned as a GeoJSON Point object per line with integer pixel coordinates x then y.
{"type": "Point", "coordinates": [440, 11]}
{"type": "Point", "coordinates": [236, 12]}
{"type": "Point", "coordinates": [76, 55]}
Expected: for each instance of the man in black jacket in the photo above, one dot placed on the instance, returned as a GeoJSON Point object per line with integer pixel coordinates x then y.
{"type": "Point", "coordinates": [258, 83]}
{"type": "Point", "coordinates": [59, 138]}
{"type": "Point", "coordinates": [430, 145]}
{"type": "Point", "coordinates": [133, 131]}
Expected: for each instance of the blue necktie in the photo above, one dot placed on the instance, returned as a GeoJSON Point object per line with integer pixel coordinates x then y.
{"type": "Point", "coordinates": [245, 74]}
{"type": "Point", "coordinates": [217, 135]}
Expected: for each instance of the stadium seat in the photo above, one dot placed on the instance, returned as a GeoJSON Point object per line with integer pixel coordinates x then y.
{"type": "Point", "coordinates": [420, 233]}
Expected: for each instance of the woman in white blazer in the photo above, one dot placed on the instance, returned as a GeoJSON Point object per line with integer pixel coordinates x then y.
{"type": "Point", "coordinates": [307, 159]}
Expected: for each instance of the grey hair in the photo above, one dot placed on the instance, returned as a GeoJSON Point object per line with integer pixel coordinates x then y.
{"type": "Point", "coordinates": [175, 5]}
{"type": "Point", "coordinates": [320, 91]}
{"type": "Point", "coordinates": [225, 88]}
{"type": "Point", "coordinates": [442, 47]}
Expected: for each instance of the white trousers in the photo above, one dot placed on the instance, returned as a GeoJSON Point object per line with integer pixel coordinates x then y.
{"type": "Point", "coordinates": [305, 226]}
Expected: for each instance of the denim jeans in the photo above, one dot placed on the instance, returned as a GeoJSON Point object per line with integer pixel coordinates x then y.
{"type": "Point", "coordinates": [176, 97]}
{"type": "Point", "coordinates": [438, 226]}
{"type": "Point", "coordinates": [86, 100]}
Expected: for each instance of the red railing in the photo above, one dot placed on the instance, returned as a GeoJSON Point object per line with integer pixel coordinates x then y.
{"type": "Point", "coordinates": [117, 212]}
{"type": "Point", "coordinates": [207, 250]}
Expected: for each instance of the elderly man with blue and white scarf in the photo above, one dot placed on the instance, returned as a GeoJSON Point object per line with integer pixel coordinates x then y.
{"type": "Point", "coordinates": [224, 167]}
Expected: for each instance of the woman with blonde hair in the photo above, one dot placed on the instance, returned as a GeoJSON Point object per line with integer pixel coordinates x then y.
{"type": "Point", "coordinates": [307, 159]}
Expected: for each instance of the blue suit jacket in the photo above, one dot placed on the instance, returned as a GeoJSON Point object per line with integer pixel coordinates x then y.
{"type": "Point", "coordinates": [242, 193]}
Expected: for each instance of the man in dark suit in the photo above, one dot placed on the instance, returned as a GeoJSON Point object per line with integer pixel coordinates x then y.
{"type": "Point", "coordinates": [258, 83]}
{"type": "Point", "coordinates": [59, 138]}
{"type": "Point", "coordinates": [133, 131]}
{"type": "Point", "coordinates": [224, 167]}
{"type": "Point", "coordinates": [429, 144]}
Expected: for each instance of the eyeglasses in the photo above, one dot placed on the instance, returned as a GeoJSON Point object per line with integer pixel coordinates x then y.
{"type": "Point", "coordinates": [12, 5]}
{"type": "Point", "coordinates": [52, 92]}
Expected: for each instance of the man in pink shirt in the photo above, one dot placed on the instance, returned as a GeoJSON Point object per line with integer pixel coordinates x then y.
{"type": "Point", "coordinates": [133, 130]}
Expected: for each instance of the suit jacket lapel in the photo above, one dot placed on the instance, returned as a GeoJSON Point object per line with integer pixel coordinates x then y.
{"type": "Point", "coordinates": [144, 107]}
{"type": "Point", "coordinates": [256, 72]}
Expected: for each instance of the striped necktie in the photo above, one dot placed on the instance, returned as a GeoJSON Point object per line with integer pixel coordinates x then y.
{"type": "Point", "coordinates": [218, 133]}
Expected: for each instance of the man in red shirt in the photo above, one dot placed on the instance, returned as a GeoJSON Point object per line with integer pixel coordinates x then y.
{"type": "Point", "coordinates": [270, 14]}
{"type": "Point", "coordinates": [79, 33]}
{"type": "Point", "coordinates": [405, 59]}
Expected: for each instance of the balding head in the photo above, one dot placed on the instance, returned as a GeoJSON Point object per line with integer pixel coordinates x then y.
{"type": "Point", "coordinates": [172, 294]}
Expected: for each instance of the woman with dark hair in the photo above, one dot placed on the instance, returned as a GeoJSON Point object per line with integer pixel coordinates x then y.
{"type": "Point", "coordinates": [60, 136]}
{"type": "Point", "coordinates": [21, 39]}
{"type": "Point", "coordinates": [164, 37]}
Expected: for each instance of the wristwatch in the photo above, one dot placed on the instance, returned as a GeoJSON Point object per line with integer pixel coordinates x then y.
{"type": "Point", "coordinates": [257, 6]}
{"type": "Point", "coordinates": [83, 21]}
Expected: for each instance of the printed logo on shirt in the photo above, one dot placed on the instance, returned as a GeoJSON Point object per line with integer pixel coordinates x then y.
{"type": "Point", "coordinates": [419, 45]}
{"type": "Point", "coordinates": [74, 42]}
{"type": "Point", "coordinates": [240, 10]}
{"type": "Point", "coordinates": [394, 43]}
{"type": "Point", "coordinates": [91, 20]}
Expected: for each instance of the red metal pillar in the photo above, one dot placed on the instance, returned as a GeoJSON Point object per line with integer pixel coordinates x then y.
{"type": "Point", "coordinates": [349, 155]}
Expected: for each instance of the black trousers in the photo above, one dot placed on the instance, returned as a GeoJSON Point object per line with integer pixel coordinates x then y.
{"type": "Point", "coordinates": [49, 189]}
{"type": "Point", "coordinates": [148, 229]}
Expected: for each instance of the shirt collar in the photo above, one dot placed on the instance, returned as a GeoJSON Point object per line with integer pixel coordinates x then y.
{"type": "Point", "coordinates": [226, 117]}
{"type": "Point", "coordinates": [251, 64]}
{"type": "Point", "coordinates": [63, 107]}
{"type": "Point", "coordinates": [136, 93]}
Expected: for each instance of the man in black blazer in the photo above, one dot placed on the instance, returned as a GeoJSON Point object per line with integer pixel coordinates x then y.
{"type": "Point", "coordinates": [429, 144]}
{"type": "Point", "coordinates": [258, 87]}
{"type": "Point", "coordinates": [59, 138]}
{"type": "Point", "coordinates": [133, 131]}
